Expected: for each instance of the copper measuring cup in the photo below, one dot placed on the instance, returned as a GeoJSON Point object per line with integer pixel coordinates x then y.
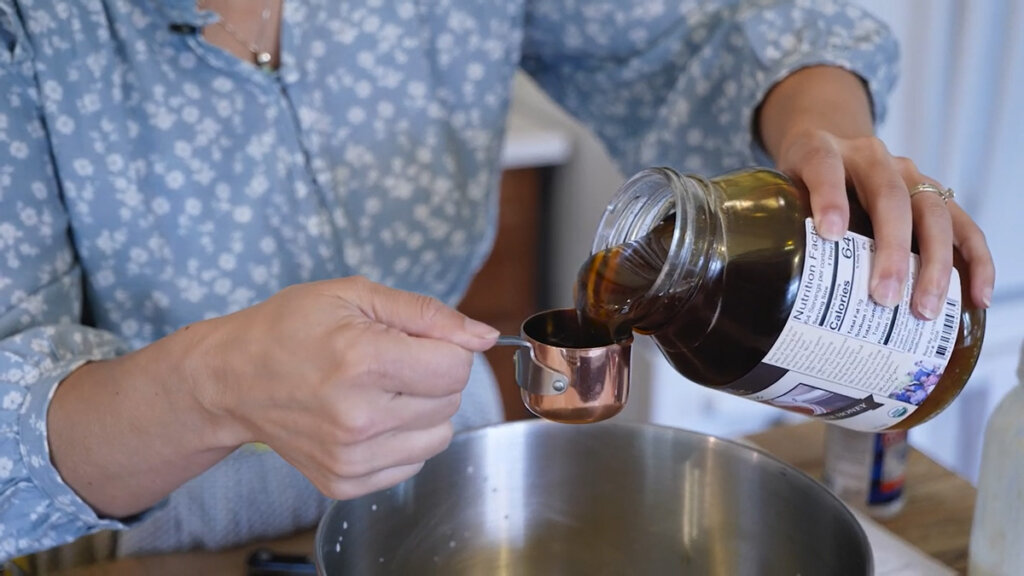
{"type": "Point", "coordinates": [565, 376]}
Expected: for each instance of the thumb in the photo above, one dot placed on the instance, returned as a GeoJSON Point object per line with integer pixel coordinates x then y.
{"type": "Point", "coordinates": [420, 315]}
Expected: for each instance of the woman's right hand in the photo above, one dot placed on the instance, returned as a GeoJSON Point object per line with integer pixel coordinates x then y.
{"type": "Point", "coordinates": [351, 382]}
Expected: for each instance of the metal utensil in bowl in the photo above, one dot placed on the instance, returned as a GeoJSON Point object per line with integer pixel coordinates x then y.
{"type": "Point", "coordinates": [535, 497]}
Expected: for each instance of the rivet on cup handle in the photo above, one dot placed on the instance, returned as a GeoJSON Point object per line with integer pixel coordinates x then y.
{"type": "Point", "coordinates": [531, 375]}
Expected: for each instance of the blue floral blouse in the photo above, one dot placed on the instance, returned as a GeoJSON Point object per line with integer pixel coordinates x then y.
{"type": "Point", "coordinates": [149, 179]}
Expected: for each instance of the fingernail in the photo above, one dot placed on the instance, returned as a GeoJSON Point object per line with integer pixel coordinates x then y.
{"type": "Point", "coordinates": [480, 330]}
{"type": "Point", "coordinates": [986, 298]}
{"type": "Point", "coordinates": [886, 293]}
{"type": "Point", "coordinates": [830, 227]}
{"type": "Point", "coordinates": [928, 306]}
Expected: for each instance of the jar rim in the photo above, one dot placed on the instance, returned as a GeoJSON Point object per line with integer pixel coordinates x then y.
{"type": "Point", "coordinates": [645, 200]}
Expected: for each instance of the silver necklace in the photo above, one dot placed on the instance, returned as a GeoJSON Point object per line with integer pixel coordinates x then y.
{"type": "Point", "coordinates": [264, 58]}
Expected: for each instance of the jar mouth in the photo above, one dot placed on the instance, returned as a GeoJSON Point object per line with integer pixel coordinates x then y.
{"type": "Point", "coordinates": [646, 200]}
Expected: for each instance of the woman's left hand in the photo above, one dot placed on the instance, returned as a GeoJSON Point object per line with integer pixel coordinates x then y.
{"type": "Point", "coordinates": [824, 149]}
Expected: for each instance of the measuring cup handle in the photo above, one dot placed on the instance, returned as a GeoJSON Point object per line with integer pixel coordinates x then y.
{"type": "Point", "coordinates": [531, 375]}
{"type": "Point", "coordinates": [509, 340]}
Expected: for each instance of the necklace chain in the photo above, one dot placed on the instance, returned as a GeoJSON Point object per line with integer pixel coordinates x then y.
{"type": "Point", "coordinates": [263, 57]}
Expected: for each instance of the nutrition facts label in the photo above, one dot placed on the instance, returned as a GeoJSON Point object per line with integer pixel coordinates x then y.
{"type": "Point", "coordinates": [850, 360]}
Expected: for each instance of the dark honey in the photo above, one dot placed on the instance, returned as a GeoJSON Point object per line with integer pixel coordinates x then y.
{"type": "Point", "coordinates": [711, 269]}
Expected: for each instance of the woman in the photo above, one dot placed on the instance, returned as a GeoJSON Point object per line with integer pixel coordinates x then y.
{"type": "Point", "coordinates": [242, 221]}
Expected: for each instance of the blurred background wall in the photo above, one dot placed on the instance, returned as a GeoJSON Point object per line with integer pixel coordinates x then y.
{"type": "Point", "coordinates": [958, 111]}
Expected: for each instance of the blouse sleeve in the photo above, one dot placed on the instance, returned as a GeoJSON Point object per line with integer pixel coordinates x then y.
{"type": "Point", "coordinates": [42, 338]}
{"type": "Point", "coordinates": [677, 82]}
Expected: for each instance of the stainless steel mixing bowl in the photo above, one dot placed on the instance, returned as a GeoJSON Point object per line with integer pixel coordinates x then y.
{"type": "Point", "coordinates": [539, 498]}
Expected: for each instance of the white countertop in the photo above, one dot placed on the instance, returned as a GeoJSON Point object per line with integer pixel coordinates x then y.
{"type": "Point", "coordinates": [895, 556]}
{"type": "Point", "coordinates": [528, 143]}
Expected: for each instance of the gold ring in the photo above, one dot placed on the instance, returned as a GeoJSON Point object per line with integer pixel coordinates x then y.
{"type": "Point", "coordinates": [946, 194]}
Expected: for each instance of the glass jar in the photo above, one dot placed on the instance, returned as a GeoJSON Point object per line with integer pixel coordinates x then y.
{"type": "Point", "coordinates": [731, 281]}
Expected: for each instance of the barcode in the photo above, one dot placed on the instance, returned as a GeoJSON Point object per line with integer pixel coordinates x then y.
{"type": "Point", "coordinates": [949, 321]}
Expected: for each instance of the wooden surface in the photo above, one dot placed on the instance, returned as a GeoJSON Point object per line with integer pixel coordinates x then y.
{"type": "Point", "coordinates": [939, 507]}
{"type": "Point", "coordinates": [225, 563]}
{"type": "Point", "coordinates": [936, 518]}
{"type": "Point", "coordinates": [506, 289]}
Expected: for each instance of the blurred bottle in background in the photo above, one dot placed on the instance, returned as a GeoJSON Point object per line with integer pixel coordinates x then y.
{"type": "Point", "coordinates": [997, 535]}
{"type": "Point", "coordinates": [867, 470]}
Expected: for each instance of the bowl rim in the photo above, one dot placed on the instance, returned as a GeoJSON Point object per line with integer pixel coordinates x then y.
{"type": "Point", "coordinates": [462, 435]}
